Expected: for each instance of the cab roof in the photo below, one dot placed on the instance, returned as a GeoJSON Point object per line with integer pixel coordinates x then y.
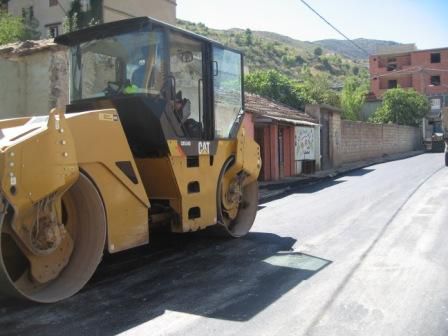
{"type": "Point", "coordinates": [123, 27]}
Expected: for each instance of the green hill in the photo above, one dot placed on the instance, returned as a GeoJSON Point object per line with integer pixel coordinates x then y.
{"type": "Point", "coordinates": [266, 50]}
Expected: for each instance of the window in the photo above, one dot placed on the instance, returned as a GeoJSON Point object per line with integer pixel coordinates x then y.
{"type": "Point", "coordinates": [435, 80]}
{"type": "Point", "coordinates": [436, 103]}
{"type": "Point", "coordinates": [53, 30]}
{"type": "Point", "coordinates": [392, 67]}
{"type": "Point", "coordinates": [392, 84]}
{"type": "Point", "coordinates": [28, 13]}
{"type": "Point", "coordinates": [435, 58]}
{"type": "Point", "coordinates": [122, 64]}
{"type": "Point", "coordinates": [227, 84]}
{"type": "Point", "coordinates": [53, 3]}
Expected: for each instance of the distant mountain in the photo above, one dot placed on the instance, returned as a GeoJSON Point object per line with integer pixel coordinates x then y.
{"type": "Point", "coordinates": [344, 47]}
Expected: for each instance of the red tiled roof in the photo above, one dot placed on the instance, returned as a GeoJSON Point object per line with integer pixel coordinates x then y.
{"type": "Point", "coordinates": [268, 108]}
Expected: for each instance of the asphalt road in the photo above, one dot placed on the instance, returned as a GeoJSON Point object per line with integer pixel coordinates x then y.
{"type": "Point", "coordinates": [363, 254]}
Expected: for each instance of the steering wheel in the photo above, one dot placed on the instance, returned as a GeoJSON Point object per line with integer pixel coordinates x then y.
{"type": "Point", "coordinates": [113, 88]}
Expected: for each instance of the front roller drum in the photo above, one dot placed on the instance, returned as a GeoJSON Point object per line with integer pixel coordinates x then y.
{"type": "Point", "coordinates": [85, 221]}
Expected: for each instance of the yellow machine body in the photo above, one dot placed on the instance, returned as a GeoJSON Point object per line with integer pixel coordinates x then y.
{"type": "Point", "coordinates": [44, 159]}
{"type": "Point", "coordinates": [152, 139]}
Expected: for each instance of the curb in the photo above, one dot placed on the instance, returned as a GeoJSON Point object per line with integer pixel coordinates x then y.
{"type": "Point", "coordinates": [275, 190]}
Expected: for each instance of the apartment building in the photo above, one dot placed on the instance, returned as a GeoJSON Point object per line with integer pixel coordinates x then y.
{"type": "Point", "coordinates": [424, 70]}
{"type": "Point", "coordinates": [49, 14]}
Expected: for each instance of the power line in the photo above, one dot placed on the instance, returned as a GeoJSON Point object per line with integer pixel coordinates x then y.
{"type": "Point", "coordinates": [336, 29]}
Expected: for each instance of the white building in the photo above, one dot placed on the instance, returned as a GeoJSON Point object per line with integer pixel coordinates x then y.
{"type": "Point", "coordinates": [51, 13]}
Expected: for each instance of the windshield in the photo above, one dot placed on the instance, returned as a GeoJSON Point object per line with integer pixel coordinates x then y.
{"type": "Point", "coordinates": [119, 65]}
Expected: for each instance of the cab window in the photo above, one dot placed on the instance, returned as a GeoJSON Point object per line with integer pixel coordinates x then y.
{"type": "Point", "coordinates": [123, 64]}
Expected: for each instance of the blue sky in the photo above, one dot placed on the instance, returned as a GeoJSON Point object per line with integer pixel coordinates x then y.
{"type": "Point", "coordinates": [424, 22]}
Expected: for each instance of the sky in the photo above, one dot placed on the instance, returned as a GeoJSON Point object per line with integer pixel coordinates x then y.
{"type": "Point", "coordinates": [423, 22]}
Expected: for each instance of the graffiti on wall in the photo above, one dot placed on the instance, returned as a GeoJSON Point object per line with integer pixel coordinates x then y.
{"type": "Point", "coordinates": [304, 143]}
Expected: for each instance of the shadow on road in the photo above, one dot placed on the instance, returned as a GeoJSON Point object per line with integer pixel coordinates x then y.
{"type": "Point", "coordinates": [308, 188]}
{"type": "Point", "coordinates": [312, 186]}
{"type": "Point", "coordinates": [223, 279]}
{"type": "Point", "coordinates": [358, 172]}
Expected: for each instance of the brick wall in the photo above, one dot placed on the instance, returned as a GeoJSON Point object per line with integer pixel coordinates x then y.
{"type": "Point", "coordinates": [361, 141]}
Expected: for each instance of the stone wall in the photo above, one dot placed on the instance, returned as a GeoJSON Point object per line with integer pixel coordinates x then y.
{"type": "Point", "coordinates": [361, 141]}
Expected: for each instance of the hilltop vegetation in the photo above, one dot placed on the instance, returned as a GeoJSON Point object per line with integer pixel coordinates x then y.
{"type": "Point", "coordinates": [293, 58]}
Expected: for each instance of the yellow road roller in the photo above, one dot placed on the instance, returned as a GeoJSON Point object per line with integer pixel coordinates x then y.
{"type": "Point", "coordinates": [153, 137]}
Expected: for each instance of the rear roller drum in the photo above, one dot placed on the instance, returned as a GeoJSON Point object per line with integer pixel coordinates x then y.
{"type": "Point", "coordinates": [84, 231]}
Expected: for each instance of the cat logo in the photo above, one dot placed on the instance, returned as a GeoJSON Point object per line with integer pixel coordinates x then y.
{"type": "Point", "coordinates": [204, 147]}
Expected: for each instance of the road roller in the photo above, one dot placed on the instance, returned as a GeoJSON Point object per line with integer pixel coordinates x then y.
{"type": "Point", "coordinates": [152, 139]}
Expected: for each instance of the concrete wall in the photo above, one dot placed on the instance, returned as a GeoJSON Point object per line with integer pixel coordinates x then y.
{"type": "Point", "coordinates": [360, 141]}
{"type": "Point", "coordinates": [330, 134]}
{"type": "Point", "coordinates": [34, 84]}
{"type": "Point", "coordinates": [113, 10]}
{"type": "Point", "coordinates": [164, 10]}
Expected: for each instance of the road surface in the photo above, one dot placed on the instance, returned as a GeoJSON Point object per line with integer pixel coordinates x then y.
{"type": "Point", "coordinates": [363, 254]}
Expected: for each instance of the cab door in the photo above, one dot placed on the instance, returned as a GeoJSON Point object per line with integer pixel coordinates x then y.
{"type": "Point", "coordinates": [186, 57]}
{"type": "Point", "coordinates": [227, 92]}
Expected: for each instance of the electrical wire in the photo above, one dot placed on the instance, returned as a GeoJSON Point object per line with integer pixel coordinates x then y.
{"type": "Point", "coordinates": [336, 29]}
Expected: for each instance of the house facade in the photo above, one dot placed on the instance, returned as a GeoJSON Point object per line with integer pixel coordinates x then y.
{"type": "Point", "coordinates": [289, 139]}
{"type": "Point", "coordinates": [49, 15]}
{"type": "Point", "coordinates": [426, 71]}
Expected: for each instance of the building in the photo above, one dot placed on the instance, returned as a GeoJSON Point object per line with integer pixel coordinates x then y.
{"type": "Point", "coordinates": [289, 139]}
{"type": "Point", "coordinates": [49, 15]}
{"type": "Point", "coordinates": [424, 70]}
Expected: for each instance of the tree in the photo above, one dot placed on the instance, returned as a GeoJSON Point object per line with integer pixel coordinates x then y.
{"type": "Point", "coordinates": [79, 17]}
{"type": "Point", "coordinates": [70, 23]}
{"type": "Point", "coordinates": [272, 84]}
{"type": "Point", "coordinates": [12, 28]}
{"type": "Point", "coordinates": [248, 37]}
{"type": "Point", "coordinates": [403, 107]}
{"type": "Point", "coordinates": [318, 51]}
{"type": "Point", "coordinates": [318, 88]}
{"type": "Point", "coordinates": [314, 89]}
{"type": "Point", "coordinates": [353, 97]}
{"type": "Point", "coordinates": [31, 24]}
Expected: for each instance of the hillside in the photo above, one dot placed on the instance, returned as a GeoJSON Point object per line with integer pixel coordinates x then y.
{"type": "Point", "coordinates": [347, 49]}
{"type": "Point", "coordinates": [294, 58]}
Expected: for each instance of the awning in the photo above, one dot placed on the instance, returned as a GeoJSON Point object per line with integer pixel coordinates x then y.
{"type": "Point", "coordinates": [289, 121]}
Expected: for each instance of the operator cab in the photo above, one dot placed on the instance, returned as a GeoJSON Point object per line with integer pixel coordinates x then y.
{"type": "Point", "coordinates": [165, 83]}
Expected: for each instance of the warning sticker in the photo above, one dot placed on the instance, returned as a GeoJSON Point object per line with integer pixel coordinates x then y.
{"type": "Point", "coordinates": [108, 117]}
